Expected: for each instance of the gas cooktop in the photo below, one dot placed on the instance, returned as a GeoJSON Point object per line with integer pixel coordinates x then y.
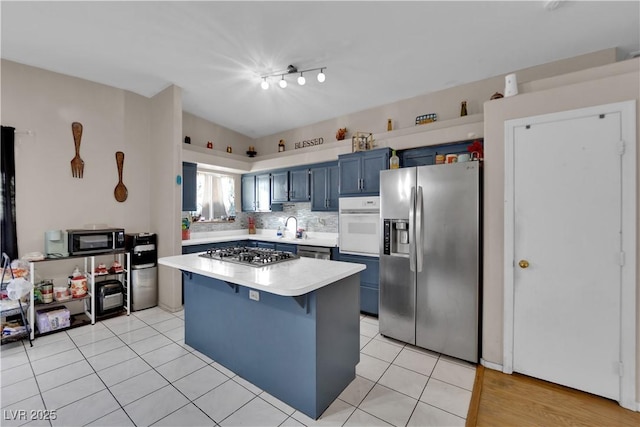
{"type": "Point", "coordinates": [244, 255]}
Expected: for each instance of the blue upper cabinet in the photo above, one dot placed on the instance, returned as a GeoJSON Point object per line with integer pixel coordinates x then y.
{"type": "Point", "coordinates": [256, 193]}
{"type": "Point", "coordinates": [248, 193]}
{"type": "Point", "coordinates": [299, 185]}
{"type": "Point", "coordinates": [359, 173]}
{"type": "Point", "coordinates": [349, 171]}
{"type": "Point", "coordinates": [263, 192]}
{"type": "Point", "coordinates": [324, 187]}
{"type": "Point", "coordinates": [189, 186]}
{"type": "Point", "coordinates": [418, 157]}
{"type": "Point", "coordinates": [290, 185]}
{"type": "Point", "coordinates": [427, 155]}
{"type": "Point", "coordinates": [280, 186]}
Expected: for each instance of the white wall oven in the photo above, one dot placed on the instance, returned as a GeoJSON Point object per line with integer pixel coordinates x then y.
{"type": "Point", "coordinates": [359, 225]}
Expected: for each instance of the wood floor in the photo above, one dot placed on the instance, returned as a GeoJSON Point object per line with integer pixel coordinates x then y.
{"type": "Point", "coordinates": [517, 400]}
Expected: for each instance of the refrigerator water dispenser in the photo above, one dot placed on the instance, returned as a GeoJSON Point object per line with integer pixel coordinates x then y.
{"type": "Point", "coordinates": [396, 237]}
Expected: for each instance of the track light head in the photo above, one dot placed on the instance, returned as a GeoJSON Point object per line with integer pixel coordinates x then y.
{"type": "Point", "coordinates": [291, 69]}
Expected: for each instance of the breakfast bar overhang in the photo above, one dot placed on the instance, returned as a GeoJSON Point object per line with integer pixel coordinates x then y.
{"type": "Point", "coordinates": [291, 328]}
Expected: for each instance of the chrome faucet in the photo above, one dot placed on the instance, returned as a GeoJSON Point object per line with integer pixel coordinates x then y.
{"type": "Point", "coordinates": [286, 225]}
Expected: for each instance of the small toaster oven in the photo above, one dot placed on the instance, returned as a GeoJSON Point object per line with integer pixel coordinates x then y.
{"type": "Point", "coordinates": [110, 297]}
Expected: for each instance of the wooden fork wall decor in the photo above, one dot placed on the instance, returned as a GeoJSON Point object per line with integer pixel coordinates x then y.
{"type": "Point", "coordinates": [77, 164]}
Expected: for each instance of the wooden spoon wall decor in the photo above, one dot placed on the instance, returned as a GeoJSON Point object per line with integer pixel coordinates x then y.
{"type": "Point", "coordinates": [120, 192]}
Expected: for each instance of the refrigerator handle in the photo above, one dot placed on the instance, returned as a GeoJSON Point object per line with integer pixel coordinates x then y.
{"type": "Point", "coordinates": [412, 230]}
{"type": "Point", "coordinates": [419, 239]}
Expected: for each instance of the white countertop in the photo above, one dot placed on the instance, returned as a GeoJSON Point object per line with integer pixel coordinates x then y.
{"type": "Point", "coordinates": [329, 240]}
{"type": "Point", "coordinates": [290, 278]}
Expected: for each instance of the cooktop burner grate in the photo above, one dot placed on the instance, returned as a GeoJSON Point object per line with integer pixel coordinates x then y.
{"type": "Point", "coordinates": [244, 255]}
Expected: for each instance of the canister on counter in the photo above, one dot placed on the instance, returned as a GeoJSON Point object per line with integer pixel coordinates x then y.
{"type": "Point", "coordinates": [46, 288]}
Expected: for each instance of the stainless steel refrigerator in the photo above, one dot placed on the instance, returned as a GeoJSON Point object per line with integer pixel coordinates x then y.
{"type": "Point", "coordinates": [430, 282]}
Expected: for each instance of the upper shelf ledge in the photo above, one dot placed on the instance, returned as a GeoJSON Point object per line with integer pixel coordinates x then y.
{"type": "Point", "coordinates": [328, 151]}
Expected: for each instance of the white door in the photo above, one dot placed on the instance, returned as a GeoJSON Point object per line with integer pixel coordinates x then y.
{"type": "Point", "coordinates": [567, 244]}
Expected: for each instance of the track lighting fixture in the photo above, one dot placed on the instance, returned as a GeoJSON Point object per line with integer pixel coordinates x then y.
{"type": "Point", "coordinates": [291, 70]}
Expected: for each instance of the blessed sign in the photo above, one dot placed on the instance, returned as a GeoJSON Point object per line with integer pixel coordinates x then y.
{"type": "Point", "coordinates": [309, 143]}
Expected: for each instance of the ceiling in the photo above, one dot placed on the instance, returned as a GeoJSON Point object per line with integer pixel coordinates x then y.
{"type": "Point", "coordinates": [375, 53]}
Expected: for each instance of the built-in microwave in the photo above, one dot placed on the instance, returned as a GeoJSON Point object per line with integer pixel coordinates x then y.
{"type": "Point", "coordinates": [359, 225]}
{"type": "Point", "coordinates": [85, 241]}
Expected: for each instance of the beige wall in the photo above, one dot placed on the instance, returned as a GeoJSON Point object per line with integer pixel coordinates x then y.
{"type": "Point", "coordinates": [446, 103]}
{"type": "Point", "coordinates": [166, 194]}
{"type": "Point", "coordinates": [200, 131]}
{"type": "Point", "coordinates": [48, 197]}
{"type": "Point", "coordinates": [602, 85]}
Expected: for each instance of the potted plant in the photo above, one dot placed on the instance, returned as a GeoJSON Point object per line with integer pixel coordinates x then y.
{"type": "Point", "coordinates": [185, 229]}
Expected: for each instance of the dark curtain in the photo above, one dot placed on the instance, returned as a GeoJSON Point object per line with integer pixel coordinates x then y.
{"type": "Point", "coordinates": [8, 194]}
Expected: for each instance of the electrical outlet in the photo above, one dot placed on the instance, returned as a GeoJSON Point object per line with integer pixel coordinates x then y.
{"type": "Point", "coordinates": [254, 295]}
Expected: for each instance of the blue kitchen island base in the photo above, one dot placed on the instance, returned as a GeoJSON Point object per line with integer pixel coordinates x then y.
{"type": "Point", "coordinates": [301, 349]}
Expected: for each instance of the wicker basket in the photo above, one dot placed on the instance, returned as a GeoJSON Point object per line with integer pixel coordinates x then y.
{"type": "Point", "coordinates": [362, 141]}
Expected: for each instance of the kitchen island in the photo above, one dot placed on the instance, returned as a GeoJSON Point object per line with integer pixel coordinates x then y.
{"type": "Point", "coordinates": [290, 328]}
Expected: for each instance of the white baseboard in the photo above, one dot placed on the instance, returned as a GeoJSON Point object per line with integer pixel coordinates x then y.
{"type": "Point", "coordinates": [491, 365]}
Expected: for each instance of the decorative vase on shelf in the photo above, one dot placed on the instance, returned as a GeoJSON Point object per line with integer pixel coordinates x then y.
{"type": "Point", "coordinates": [394, 161]}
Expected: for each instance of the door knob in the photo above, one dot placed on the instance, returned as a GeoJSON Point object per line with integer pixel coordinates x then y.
{"type": "Point", "coordinates": [523, 263]}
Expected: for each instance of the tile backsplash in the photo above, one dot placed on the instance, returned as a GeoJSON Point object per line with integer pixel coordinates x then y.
{"type": "Point", "coordinates": [325, 222]}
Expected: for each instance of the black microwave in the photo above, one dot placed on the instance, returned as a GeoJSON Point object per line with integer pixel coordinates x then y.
{"type": "Point", "coordinates": [84, 241]}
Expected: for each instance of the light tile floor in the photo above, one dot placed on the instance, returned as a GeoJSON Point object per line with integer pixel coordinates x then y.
{"type": "Point", "coordinates": [137, 371]}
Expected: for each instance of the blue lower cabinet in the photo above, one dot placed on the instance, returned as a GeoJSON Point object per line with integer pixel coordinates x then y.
{"type": "Point", "coordinates": [266, 245]}
{"type": "Point", "coordinates": [192, 249]}
{"type": "Point", "coordinates": [369, 299]}
{"type": "Point", "coordinates": [302, 350]}
{"type": "Point", "coordinates": [369, 281]}
{"type": "Point", "coordinates": [288, 247]}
